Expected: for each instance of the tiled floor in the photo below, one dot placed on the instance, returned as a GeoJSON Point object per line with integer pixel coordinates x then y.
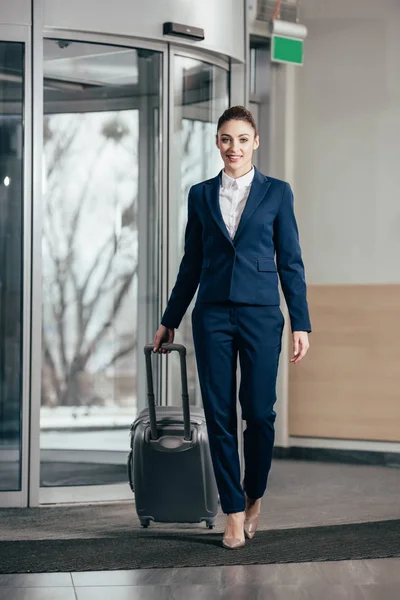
{"type": "Point", "coordinates": [347, 580]}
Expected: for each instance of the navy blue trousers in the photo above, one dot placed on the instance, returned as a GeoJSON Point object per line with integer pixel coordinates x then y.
{"type": "Point", "coordinates": [221, 333]}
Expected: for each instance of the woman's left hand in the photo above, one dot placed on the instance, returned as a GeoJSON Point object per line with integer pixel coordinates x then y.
{"type": "Point", "coordinates": [300, 345]}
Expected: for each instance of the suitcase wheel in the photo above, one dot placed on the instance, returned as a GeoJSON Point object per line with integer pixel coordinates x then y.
{"type": "Point", "coordinates": [145, 524]}
{"type": "Point", "coordinates": [211, 526]}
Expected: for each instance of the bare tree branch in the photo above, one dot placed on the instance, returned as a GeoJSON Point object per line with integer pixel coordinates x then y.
{"type": "Point", "coordinates": [60, 314]}
{"type": "Point", "coordinates": [89, 307]}
{"type": "Point", "coordinates": [52, 367]}
{"type": "Point", "coordinates": [117, 305]}
{"type": "Point", "coordinates": [122, 352]}
{"type": "Point", "coordinates": [83, 197]}
{"type": "Point", "coordinates": [95, 264]}
{"type": "Point", "coordinates": [62, 147]}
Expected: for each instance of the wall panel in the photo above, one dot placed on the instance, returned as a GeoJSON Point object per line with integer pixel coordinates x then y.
{"type": "Point", "coordinates": [348, 386]}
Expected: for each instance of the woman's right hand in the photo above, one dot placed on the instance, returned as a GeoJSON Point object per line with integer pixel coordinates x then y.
{"type": "Point", "coordinates": [163, 335]}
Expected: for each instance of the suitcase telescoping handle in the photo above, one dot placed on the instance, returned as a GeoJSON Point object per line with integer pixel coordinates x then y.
{"type": "Point", "coordinates": [148, 350]}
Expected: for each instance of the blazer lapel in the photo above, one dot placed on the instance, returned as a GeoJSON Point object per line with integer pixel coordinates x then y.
{"type": "Point", "coordinates": [212, 198]}
{"type": "Point", "coordinates": [258, 190]}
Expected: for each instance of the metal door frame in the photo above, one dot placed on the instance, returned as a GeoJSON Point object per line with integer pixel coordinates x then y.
{"type": "Point", "coordinates": [173, 191]}
{"type": "Point", "coordinates": [22, 34]}
{"type": "Point", "coordinates": [39, 495]}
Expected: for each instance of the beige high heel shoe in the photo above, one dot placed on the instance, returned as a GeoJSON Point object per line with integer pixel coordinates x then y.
{"type": "Point", "coordinates": [250, 524]}
{"type": "Point", "coordinates": [233, 543]}
{"type": "Point", "coordinates": [250, 527]}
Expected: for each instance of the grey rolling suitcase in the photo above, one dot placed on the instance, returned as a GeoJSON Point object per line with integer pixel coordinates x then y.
{"type": "Point", "coordinates": [169, 464]}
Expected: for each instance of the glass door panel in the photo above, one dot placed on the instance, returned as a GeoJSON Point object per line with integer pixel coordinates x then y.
{"type": "Point", "coordinates": [200, 95]}
{"type": "Point", "coordinates": [11, 262]}
{"type": "Point", "coordinates": [100, 179]}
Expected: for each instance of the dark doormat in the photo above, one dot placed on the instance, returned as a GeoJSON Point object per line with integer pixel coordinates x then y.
{"type": "Point", "coordinates": [155, 548]}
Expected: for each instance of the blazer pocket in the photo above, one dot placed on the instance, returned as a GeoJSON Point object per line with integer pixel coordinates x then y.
{"type": "Point", "coordinates": [266, 264]}
{"type": "Point", "coordinates": [206, 263]}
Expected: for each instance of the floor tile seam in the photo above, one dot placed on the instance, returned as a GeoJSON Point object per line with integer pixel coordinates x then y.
{"type": "Point", "coordinates": [245, 584]}
{"type": "Point", "coordinates": [159, 585]}
{"type": "Point", "coordinates": [37, 587]}
{"type": "Point", "coordinates": [311, 579]}
{"type": "Point", "coordinates": [33, 580]}
{"type": "Point", "coordinates": [252, 586]}
{"type": "Point", "coordinates": [73, 586]}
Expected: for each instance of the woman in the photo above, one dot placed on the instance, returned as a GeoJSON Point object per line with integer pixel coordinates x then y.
{"type": "Point", "coordinates": [237, 222]}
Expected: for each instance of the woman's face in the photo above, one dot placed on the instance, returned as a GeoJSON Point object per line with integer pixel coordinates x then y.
{"type": "Point", "coordinates": [236, 141]}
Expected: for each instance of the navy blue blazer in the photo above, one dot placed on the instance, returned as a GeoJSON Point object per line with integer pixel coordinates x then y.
{"type": "Point", "coordinates": [241, 269]}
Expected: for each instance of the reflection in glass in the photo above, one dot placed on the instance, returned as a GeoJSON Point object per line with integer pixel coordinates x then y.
{"type": "Point", "coordinates": [11, 244]}
{"type": "Point", "coordinates": [201, 95]}
{"type": "Point", "coordinates": [96, 191]}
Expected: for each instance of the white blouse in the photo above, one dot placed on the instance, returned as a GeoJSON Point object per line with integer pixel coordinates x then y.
{"type": "Point", "coordinates": [233, 196]}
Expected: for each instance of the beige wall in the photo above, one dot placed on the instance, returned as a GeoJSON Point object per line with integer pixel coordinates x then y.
{"type": "Point", "coordinates": [347, 203]}
{"type": "Point", "coordinates": [348, 387]}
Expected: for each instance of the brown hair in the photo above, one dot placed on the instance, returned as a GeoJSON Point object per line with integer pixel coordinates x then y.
{"type": "Point", "coordinates": [237, 113]}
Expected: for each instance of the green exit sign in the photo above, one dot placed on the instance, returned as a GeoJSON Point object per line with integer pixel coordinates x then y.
{"type": "Point", "coordinates": [287, 50]}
